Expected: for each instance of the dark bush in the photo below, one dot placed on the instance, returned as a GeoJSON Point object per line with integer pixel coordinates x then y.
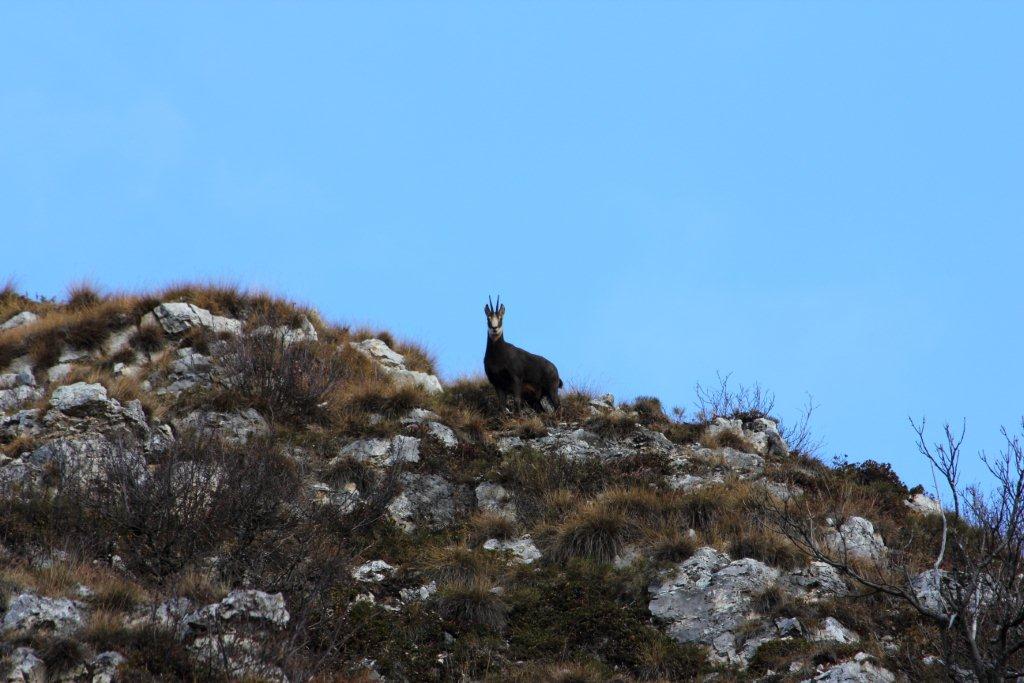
{"type": "Point", "coordinates": [204, 491]}
{"type": "Point", "coordinates": [286, 382]}
{"type": "Point", "coordinates": [472, 604]}
{"type": "Point", "coordinates": [589, 611]}
{"type": "Point", "coordinates": [595, 533]}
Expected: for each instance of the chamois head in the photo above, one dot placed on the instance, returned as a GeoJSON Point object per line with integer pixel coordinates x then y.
{"type": "Point", "coordinates": [494, 318]}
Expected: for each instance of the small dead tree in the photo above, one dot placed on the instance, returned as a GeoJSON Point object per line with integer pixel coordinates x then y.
{"type": "Point", "coordinates": [971, 586]}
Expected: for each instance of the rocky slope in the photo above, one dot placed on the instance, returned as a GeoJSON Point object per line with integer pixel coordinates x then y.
{"type": "Point", "coordinates": [206, 484]}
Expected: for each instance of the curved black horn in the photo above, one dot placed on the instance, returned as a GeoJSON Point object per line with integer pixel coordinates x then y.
{"type": "Point", "coordinates": [499, 303]}
{"type": "Point", "coordinates": [489, 304]}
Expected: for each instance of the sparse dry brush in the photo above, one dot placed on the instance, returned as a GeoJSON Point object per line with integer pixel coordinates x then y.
{"type": "Point", "coordinates": [202, 516]}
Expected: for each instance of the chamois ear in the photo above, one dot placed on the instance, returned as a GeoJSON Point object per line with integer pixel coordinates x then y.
{"type": "Point", "coordinates": [501, 311]}
{"type": "Point", "coordinates": [487, 310]}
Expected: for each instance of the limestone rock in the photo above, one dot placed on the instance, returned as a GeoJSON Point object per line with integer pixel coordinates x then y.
{"type": "Point", "coordinates": [427, 499]}
{"type": "Point", "coordinates": [240, 606]}
{"type": "Point", "coordinates": [234, 427]}
{"type": "Point", "coordinates": [59, 372]}
{"type": "Point", "coordinates": [85, 458]}
{"type": "Point", "coordinates": [29, 611]}
{"type": "Point", "coordinates": [19, 319]}
{"type": "Point", "coordinates": [23, 422]}
{"type": "Point", "coordinates": [104, 666]}
{"type": "Point", "coordinates": [383, 452]}
{"type": "Point", "coordinates": [373, 571]}
{"type": "Point", "coordinates": [178, 317]}
{"type": "Point", "coordinates": [418, 594]}
{"type": "Point", "coordinates": [22, 378]}
{"type": "Point", "coordinates": [924, 504]}
{"type": "Point", "coordinates": [80, 398]}
{"type": "Point", "coordinates": [743, 464]}
{"type": "Point", "coordinates": [237, 656]}
{"type": "Point", "coordinates": [290, 335]}
{"type": "Point", "coordinates": [392, 364]}
{"type": "Point", "coordinates": [817, 581]}
{"type": "Point", "coordinates": [14, 475]}
{"type": "Point", "coordinates": [17, 396]}
{"type": "Point", "coordinates": [928, 587]}
{"type": "Point", "coordinates": [188, 370]}
{"type": "Point", "coordinates": [495, 498]}
{"type": "Point", "coordinates": [25, 667]}
{"type": "Point", "coordinates": [707, 597]}
{"type": "Point", "coordinates": [861, 669]}
{"type": "Point", "coordinates": [856, 538]}
{"type": "Point", "coordinates": [832, 630]}
{"type": "Point", "coordinates": [523, 549]}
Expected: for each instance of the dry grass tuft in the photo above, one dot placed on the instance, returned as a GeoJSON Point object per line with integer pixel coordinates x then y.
{"type": "Point", "coordinates": [767, 546]}
{"type": "Point", "coordinates": [472, 604]}
{"type": "Point", "coordinates": [110, 590]}
{"type": "Point", "coordinates": [458, 564]}
{"type": "Point", "coordinates": [672, 545]}
{"type": "Point", "coordinates": [726, 439]}
{"type": "Point", "coordinates": [83, 295]}
{"type": "Point", "coordinates": [594, 532]}
{"type": "Point", "coordinates": [613, 423]}
{"type": "Point", "coordinates": [149, 339]}
{"type": "Point", "coordinates": [486, 525]}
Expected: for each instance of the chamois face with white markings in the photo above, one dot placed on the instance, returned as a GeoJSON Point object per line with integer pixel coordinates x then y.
{"type": "Point", "coordinates": [494, 319]}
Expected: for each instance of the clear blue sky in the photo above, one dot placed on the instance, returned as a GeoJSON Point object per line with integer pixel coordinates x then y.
{"type": "Point", "coordinates": [824, 197]}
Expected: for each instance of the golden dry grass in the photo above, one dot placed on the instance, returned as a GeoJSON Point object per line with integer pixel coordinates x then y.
{"type": "Point", "coordinates": [486, 525]}
{"type": "Point", "coordinates": [109, 589]}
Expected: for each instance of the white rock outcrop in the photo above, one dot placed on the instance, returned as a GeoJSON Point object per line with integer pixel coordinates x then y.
{"type": "Point", "coordinates": [861, 669]}
{"type": "Point", "coordinates": [523, 549]}
{"type": "Point", "coordinates": [923, 504]}
{"type": "Point", "coordinates": [392, 364]}
{"type": "Point", "coordinates": [383, 452]}
{"type": "Point", "coordinates": [832, 630]}
{"type": "Point", "coordinates": [239, 605]}
{"type": "Point", "coordinates": [178, 317]}
{"type": "Point", "coordinates": [19, 319]}
{"type": "Point", "coordinates": [495, 498]}
{"type": "Point", "coordinates": [80, 398]}
{"type": "Point", "coordinates": [29, 611]}
{"type": "Point", "coordinates": [373, 571]}
{"type": "Point", "coordinates": [857, 539]}
{"type": "Point", "coordinates": [708, 597]}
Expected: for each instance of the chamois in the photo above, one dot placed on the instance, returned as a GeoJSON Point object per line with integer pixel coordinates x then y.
{"type": "Point", "coordinates": [512, 370]}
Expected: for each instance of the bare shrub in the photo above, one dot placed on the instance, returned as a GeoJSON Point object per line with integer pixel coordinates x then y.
{"type": "Point", "coordinates": [722, 401]}
{"type": "Point", "coordinates": [287, 382]}
{"type": "Point", "coordinates": [203, 491]}
{"type": "Point", "coordinates": [964, 576]}
{"type": "Point", "coordinates": [474, 603]}
{"type": "Point", "coordinates": [593, 533]}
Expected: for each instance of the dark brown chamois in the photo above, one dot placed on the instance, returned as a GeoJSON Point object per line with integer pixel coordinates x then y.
{"type": "Point", "coordinates": [513, 371]}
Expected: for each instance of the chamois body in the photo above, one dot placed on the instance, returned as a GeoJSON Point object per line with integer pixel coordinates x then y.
{"type": "Point", "coordinates": [513, 371]}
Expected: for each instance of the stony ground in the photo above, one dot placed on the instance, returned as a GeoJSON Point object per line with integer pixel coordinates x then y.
{"type": "Point", "coordinates": [204, 484]}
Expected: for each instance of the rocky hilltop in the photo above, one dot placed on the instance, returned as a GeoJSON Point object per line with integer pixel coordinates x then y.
{"type": "Point", "coordinates": [208, 484]}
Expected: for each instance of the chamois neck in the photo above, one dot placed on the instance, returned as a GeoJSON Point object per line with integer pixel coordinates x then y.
{"type": "Point", "coordinates": [496, 341]}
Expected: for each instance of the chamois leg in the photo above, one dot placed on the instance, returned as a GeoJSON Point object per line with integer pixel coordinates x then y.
{"type": "Point", "coordinates": [517, 394]}
{"type": "Point", "coordinates": [552, 396]}
{"type": "Point", "coordinates": [502, 398]}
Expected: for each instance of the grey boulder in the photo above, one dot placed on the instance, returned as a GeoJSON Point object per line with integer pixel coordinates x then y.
{"type": "Point", "coordinates": [861, 669]}
{"type": "Point", "coordinates": [178, 317]}
{"type": "Point", "coordinates": [856, 539]}
{"type": "Point", "coordinates": [240, 606]}
{"type": "Point", "coordinates": [392, 364]}
{"type": "Point", "coordinates": [80, 398]}
{"type": "Point", "coordinates": [19, 319]}
{"type": "Point", "coordinates": [30, 612]}
{"type": "Point", "coordinates": [707, 597]}
{"type": "Point", "coordinates": [383, 452]}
